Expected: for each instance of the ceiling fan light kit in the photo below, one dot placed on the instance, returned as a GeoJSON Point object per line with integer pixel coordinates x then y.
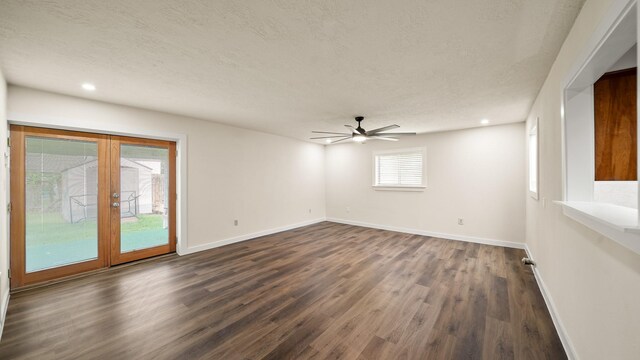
{"type": "Point", "coordinates": [359, 138]}
{"type": "Point", "coordinates": [360, 135]}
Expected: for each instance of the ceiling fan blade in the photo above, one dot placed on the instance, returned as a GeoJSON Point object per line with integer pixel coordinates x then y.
{"type": "Point", "coordinates": [328, 132]}
{"type": "Point", "coordinates": [330, 137]}
{"type": "Point", "coordinates": [374, 131]}
{"type": "Point", "coordinates": [355, 131]}
{"type": "Point", "coordinates": [382, 138]}
{"type": "Point", "coordinates": [347, 138]}
{"type": "Point", "coordinates": [395, 134]}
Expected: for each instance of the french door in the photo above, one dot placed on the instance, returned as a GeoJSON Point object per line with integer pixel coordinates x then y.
{"type": "Point", "coordinates": [83, 201]}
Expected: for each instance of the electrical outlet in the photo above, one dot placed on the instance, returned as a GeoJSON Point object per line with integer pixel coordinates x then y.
{"type": "Point", "coordinates": [235, 222]}
{"type": "Point", "coordinates": [460, 221]}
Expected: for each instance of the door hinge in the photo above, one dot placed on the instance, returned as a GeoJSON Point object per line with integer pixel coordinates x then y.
{"type": "Point", "coordinates": [9, 207]}
{"type": "Point", "coordinates": [8, 142]}
{"type": "Point", "coordinates": [9, 273]}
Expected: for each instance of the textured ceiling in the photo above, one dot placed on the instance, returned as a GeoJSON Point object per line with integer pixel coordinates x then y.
{"type": "Point", "coordinates": [290, 66]}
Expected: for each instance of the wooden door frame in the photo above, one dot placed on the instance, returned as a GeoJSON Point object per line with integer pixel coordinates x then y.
{"type": "Point", "coordinates": [19, 276]}
{"type": "Point", "coordinates": [116, 256]}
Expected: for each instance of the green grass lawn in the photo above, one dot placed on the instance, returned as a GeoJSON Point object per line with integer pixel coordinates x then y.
{"type": "Point", "coordinates": [53, 229]}
{"type": "Point", "coordinates": [51, 241]}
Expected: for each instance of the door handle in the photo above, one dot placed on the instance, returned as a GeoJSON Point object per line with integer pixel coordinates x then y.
{"type": "Point", "coordinates": [115, 204]}
{"type": "Point", "coordinates": [115, 195]}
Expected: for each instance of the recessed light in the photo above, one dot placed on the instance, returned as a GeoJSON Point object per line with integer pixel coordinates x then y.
{"type": "Point", "coordinates": [89, 87]}
{"type": "Point", "coordinates": [484, 121]}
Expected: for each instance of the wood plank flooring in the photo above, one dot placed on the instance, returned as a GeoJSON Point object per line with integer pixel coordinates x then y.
{"type": "Point", "coordinates": [325, 291]}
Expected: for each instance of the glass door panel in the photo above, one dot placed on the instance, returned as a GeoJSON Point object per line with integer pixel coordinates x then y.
{"type": "Point", "coordinates": [61, 202]}
{"type": "Point", "coordinates": [142, 198]}
{"type": "Point", "coordinates": [144, 205]}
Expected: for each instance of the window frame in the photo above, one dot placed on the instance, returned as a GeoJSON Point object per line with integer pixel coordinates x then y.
{"type": "Point", "coordinates": [421, 187]}
{"type": "Point", "coordinates": [533, 131]}
{"type": "Point", "coordinates": [615, 34]}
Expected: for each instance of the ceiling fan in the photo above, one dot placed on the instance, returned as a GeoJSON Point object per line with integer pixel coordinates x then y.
{"type": "Point", "coordinates": [358, 134]}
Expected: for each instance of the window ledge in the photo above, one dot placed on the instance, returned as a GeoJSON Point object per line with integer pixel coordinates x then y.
{"type": "Point", "coordinates": [616, 222]}
{"type": "Point", "coordinates": [398, 188]}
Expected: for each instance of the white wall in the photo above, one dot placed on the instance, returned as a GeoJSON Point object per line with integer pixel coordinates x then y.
{"type": "Point", "coordinates": [265, 181]}
{"type": "Point", "coordinates": [593, 282]}
{"type": "Point", "coordinates": [4, 228]}
{"type": "Point", "coordinates": [475, 174]}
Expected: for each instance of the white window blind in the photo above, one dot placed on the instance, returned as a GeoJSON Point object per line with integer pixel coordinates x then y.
{"type": "Point", "coordinates": [401, 168]}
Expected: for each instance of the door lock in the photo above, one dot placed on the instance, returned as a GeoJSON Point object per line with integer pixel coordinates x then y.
{"type": "Point", "coordinates": [115, 195]}
{"type": "Point", "coordinates": [115, 204]}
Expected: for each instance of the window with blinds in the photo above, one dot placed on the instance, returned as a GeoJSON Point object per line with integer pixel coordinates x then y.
{"type": "Point", "coordinates": [399, 168]}
{"type": "Point", "coordinates": [533, 161]}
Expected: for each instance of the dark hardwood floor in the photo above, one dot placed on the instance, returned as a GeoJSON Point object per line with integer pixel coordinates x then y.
{"type": "Point", "coordinates": [322, 291]}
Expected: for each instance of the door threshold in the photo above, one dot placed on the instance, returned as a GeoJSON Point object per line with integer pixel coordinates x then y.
{"type": "Point", "coordinates": [88, 273]}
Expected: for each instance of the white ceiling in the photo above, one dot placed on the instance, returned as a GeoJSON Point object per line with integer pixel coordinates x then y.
{"type": "Point", "coordinates": [290, 66]}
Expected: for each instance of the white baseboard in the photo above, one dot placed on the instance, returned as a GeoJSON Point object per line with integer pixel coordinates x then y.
{"type": "Point", "coordinates": [215, 244]}
{"type": "Point", "coordinates": [473, 239]}
{"type": "Point", "coordinates": [3, 315]}
{"type": "Point", "coordinates": [562, 332]}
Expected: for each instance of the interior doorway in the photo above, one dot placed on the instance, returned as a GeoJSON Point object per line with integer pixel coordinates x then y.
{"type": "Point", "coordinates": [84, 201]}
